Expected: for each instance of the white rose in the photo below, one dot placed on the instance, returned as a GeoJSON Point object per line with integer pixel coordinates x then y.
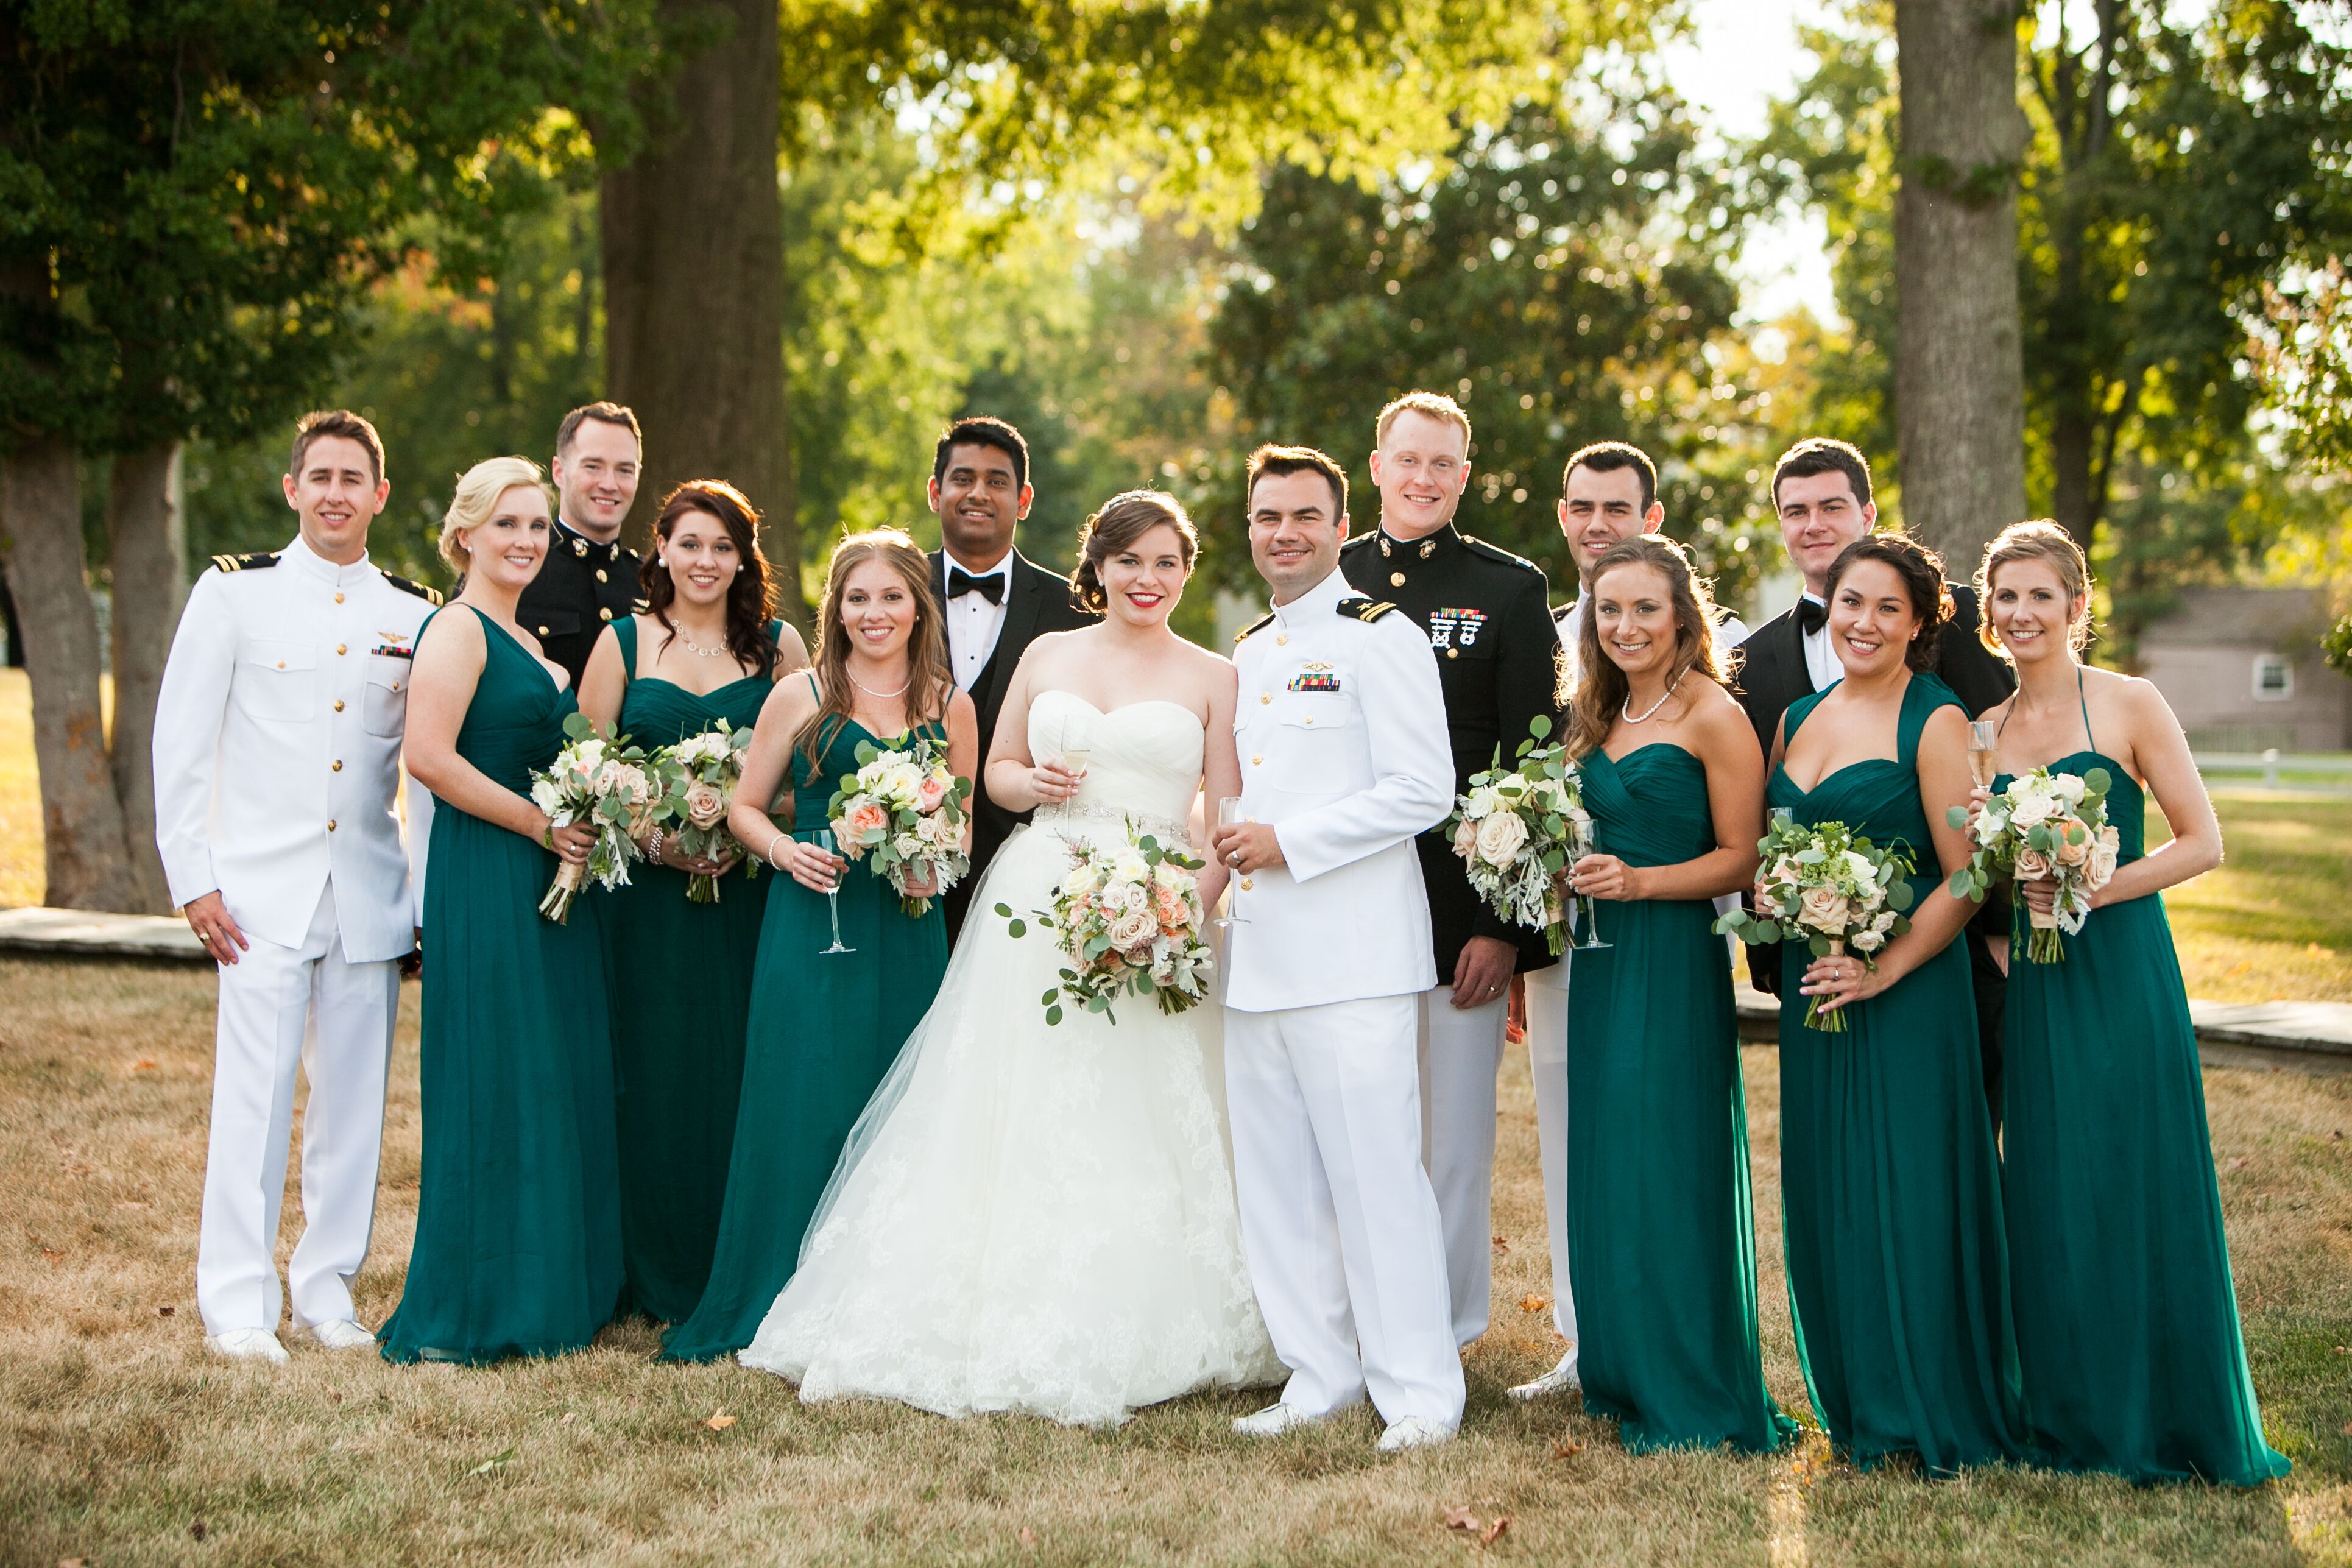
{"type": "Point", "coordinates": [1869, 941]}
{"type": "Point", "coordinates": [1884, 922]}
{"type": "Point", "coordinates": [1083, 879]}
{"type": "Point", "coordinates": [1482, 802]}
{"type": "Point", "coordinates": [2032, 809]}
{"type": "Point", "coordinates": [2105, 853]}
{"type": "Point", "coordinates": [1501, 837]}
{"type": "Point", "coordinates": [1863, 871]}
{"type": "Point", "coordinates": [545, 796]}
{"type": "Point", "coordinates": [1130, 867]}
{"type": "Point", "coordinates": [2068, 787]}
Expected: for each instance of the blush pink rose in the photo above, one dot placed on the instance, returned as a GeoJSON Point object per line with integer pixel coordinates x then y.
{"type": "Point", "coordinates": [867, 818]}
{"type": "Point", "coordinates": [930, 792]}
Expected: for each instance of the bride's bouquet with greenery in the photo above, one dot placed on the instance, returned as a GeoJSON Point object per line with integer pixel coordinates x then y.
{"type": "Point", "coordinates": [1832, 889]}
{"type": "Point", "coordinates": [607, 785]}
{"type": "Point", "coordinates": [903, 812]}
{"type": "Point", "coordinates": [697, 778]}
{"type": "Point", "coordinates": [1515, 829]}
{"type": "Point", "coordinates": [2044, 827]}
{"type": "Point", "coordinates": [1129, 918]}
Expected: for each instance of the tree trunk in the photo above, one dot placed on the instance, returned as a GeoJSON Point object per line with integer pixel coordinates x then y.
{"type": "Point", "coordinates": [145, 521]}
{"type": "Point", "coordinates": [1960, 391]}
{"type": "Point", "coordinates": [693, 259]}
{"type": "Point", "coordinates": [2073, 461]}
{"type": "Point", "coordinates": [88, 863]}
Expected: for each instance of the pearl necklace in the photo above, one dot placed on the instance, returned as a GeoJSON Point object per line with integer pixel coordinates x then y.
{"type": "Point", "coordinates": [871, 693]}
{"type": "Point", "coordinates": [1627, 711]}
{"type": "Point", "coordinates": [699, 651]}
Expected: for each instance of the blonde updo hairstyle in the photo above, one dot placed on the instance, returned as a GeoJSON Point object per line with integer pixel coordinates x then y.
{"type": "Point", "coordinates": [1123, 519]}
{"type": "Point", "coordinates": [2039, 540]}
{"type": "Point", "coordinates": [475, 501]}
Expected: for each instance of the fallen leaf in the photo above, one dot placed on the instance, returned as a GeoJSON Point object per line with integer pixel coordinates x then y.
{"type": "Point", "coordinates": [1494, 1532]}
{"type": "Point", "coordinates": [1566, 1448]}
{"type": "Point", "coordinates": [2241, 1162]}
{"type": "Point", "coordinates": [335, 1395]}
{"type": "Point", "coordinates": [492, 1463]}
{"type": "Point", "coordinates": [196, 1530]}
{"type": "Point", "coordinates": [1501, 1247]}
{"type": "Point", "coordinates": [50, 1254]}
{"type": "Point", "coordinates": [166, 1312]}
{"type": "Point", "coordinates": [144, 1064]}
{"type": "Point", "coordinates": [2241, 967]}
{"type": "Point", "coordinates": [569, 1416]}
{"type": "Point", "coordinates": [2346, 1429]}
{"type": "Point", "coordinates": [1531, 1302]}
{"type": "Point", "coordinates": [2316, 951]}
{"type": "Point", "coordinates": [719, 1420]}
{"type": "Point", "coordinates": [1460, 1519]}
{"type": "Point", "coordinates": [1028, 1537]}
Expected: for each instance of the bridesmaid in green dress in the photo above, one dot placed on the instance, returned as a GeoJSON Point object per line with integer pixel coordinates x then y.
{"type": "Point", "coordinates": [2127, 1322]}
{"type": "Point", "coordinates": [1891, 1190]}
{"type": "Point", "coordinates": [702, 653]}
{"type": "Point", "coordinates": [518, 1248]}
{"type": "Point", "coordinates": [1658, 1198]}
{"type": "Point", "coordinates": [826, 1026]}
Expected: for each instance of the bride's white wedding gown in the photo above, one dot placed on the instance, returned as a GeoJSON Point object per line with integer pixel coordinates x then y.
{"type": "Point", "coordinates": [1031, 1217]}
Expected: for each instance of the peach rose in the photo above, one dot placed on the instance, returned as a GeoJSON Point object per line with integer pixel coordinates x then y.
{"type": "Point", "coordinates": [2075, 846]}
{"type": "Point", "coordinates": [930, 792]}
{"type": "Point", "coordinates": [1465, 838]}
{"type": "Point", "coordinates": [867, 818]}
{"type": "Point", "coordinates": [1823, 908]}
{"type": "Point", "coordinates": [2033, 866]}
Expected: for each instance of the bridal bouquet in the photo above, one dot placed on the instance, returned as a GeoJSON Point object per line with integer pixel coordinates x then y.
{"type": "Point", "coordinates": [607, 785]}
{"type": "Point", "coordinates": [1515, 828]}
{"type": "Point", "coordinates": [1129, 917]}
{"type": "Point", "coordinates": [904, 809]}
{"type": "Point", "coordinates": [698, 777]}
{"type": "Point", "coordinates": [1830, 887]}
{"type": "Point", "coordinates": [2044, 827]}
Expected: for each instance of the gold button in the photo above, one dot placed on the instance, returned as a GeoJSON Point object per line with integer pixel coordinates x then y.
{"type": "Point", "coordinates": [1282, 639]}
{"type": "Point", "coordinates": [1396, 579]}
{"type": "Point", "coordinates": [1264, 698]}
{"type": "Point", "coordinates": [339, 599]}
{"type": "Point", "coordinates": [339, 704]}
{"type": "Point", "coordinates": [1453, 653]}
{"type": "Point", "coordinates": [281, 664]}
{"type": "Point", "coordinates": [340, 648]}
{"type": "Point", "coordinates": [396, 686]}
{"type": "Point", "coordinates": [1311, 719]}
{"type": "Point", "coordinates": [1247, 884]}
{"type": "Point", "coordinates": [543, 631]}
{"type": "Point", "coordinates": [330, 825]}
{"type": "Point", "coordinates": [600, 573]}
{"type": "Point", "coordinates": [1257, 761]}
{"type": "Point", "coordinates": [602, 613]}
{"type": "Point", "coordinates": [338, 765]}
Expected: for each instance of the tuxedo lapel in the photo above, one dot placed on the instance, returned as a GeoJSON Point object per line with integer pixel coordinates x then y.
{"type": "Point", "coordinates": [1024, 602]}
{"type": "Point", "coordinates": [940, 579]}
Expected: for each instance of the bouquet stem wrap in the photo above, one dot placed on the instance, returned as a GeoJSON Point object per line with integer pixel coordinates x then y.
{"type": "Point", "coordinates": [605, 784]}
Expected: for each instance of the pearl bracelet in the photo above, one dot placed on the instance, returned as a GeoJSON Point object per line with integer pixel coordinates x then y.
{"type": "Point", "coordinates": [771, 856]}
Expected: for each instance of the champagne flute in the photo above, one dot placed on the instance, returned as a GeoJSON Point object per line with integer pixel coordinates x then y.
{"type": "Point", "coordinates": [1077, 745]}
{"type": "Point", "coordinates": [1580, 843]}
{"type": "Point", "coordinates": [822, 838]}
{"type": "Point", "coordinates": [1984, 742]}
{"type": "Point", "coordinates": [1228, 815]}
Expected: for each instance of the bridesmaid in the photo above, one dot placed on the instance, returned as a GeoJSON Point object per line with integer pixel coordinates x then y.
{"type": "Point", "coordinates": [826, 1026]}
{"type": "Point", "coordinates": [2126, 1323]}
{"type": "Point", "coordinates": [1897, 1268]}
{"type": "Point", "coordinates": [518, 1247]}
{"type": "Point", "coordinates": [1658, 1198]}
{"type": "Point", "coordinates": [702, 653]}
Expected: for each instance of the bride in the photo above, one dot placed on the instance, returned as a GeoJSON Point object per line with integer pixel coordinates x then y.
{"type": "Point", "coordinates": [1040, 1217]}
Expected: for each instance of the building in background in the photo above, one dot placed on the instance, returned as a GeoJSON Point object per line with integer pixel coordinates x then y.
{"type": "Point", "coordinates": [2242, 667]}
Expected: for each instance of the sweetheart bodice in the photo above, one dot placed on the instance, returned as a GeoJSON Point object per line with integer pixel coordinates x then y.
{"type": "Point", "coordinates": [1141, 757]}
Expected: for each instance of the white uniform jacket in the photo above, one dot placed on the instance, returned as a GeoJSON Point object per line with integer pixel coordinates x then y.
{"type": "Point", "coordinates": [277, 734]}
{"type": "Point", "coordinates": [1341, 729]}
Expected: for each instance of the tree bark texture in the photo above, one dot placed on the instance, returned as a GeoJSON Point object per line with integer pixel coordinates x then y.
{"type": "Point", "coordinates": [692, 242]}
{"type": "Point", "coordinates": [146, 525]}
{"type": "Point", "coordinates": [88, 857]}
{"type": "Point", "coordinates": [1960, 389]}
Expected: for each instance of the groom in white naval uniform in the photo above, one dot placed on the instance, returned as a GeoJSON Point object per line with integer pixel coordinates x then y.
{"type": "Point", "coordinates": [277, 774]}
{"type": "Point", "coordinates": [1340, 726]}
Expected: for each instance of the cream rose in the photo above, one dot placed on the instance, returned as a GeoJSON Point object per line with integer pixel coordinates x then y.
{"type": "Point", "coordinates": [1465, 838]}
{"type": "Point", "coordinates": [1133, 928]}
{"type": "Point", "coordinates": [1823, 908]}
{"type": "Point", "coordinates": [2033, 810]}
{"type": "Point", "coordinates": [2032, 864]}
{"type": "Point", "coordinates": [2105, 853]}
{"type": "Point", "coordinates": [1501, 837]}
{"type": "Point", "coordinates": [705, 804]}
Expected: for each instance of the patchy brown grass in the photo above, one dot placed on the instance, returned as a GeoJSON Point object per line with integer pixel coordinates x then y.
{"type": "Point", "coordinates": [119, 1438]}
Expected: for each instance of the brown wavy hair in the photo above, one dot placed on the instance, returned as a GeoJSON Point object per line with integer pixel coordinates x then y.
{"type": "Point", "coordinates": [1601, 692]}
{"type": "Point", "coordinates": [2038, 540]}
{"type": "Point", "coordinates": [751, 598]}
{"type": "Point", "coordinates": [1922, 570]}
{"type": "Point", "coordinates": [929, 686]}
{"type": "Point", "coordinates": [1123, 519]}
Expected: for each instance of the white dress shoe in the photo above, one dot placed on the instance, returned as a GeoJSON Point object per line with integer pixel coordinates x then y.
{"type": "Point", "coordinates": [342, 1334]}
{"type": "Point", "coordinates": [1273, 1421]}
{"type": "Point", "coordinates": [1415, 1432]}
{"type": "Point", "coordinates": [1561, 1379]}
{"type": "Point", "coordinates": [248, 1344]}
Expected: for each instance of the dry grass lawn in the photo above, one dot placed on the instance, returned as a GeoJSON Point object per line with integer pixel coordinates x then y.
{"type": "Point", "coordinates": [122, 1443]}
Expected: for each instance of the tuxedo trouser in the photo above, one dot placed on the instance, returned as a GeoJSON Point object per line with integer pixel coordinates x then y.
{"type": "Point", "coordinates": [282, 1008]}
{"type": "Point", "coordinates": [1548, 1065]}
{"type": "Point", "coordinates": [1338, 1220]}
{"type": "Point", "coordinates": [1461, 1051]}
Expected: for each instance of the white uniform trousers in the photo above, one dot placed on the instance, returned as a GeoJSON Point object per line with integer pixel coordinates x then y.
{"type": "Point", "coordinates": [1548, 1064]}
{"type": "Point", "coordinates": [1337, 1219]}
{"type": "Point", "coordinates": [281, 1007]}
{"type": "Point", "coordinates": [1460, 1052]}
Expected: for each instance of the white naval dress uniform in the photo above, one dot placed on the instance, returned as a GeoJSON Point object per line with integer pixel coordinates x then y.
{"type": "Point", "coordinates": [1340, 727]}
{"type": "Point", "coordinates": [1548, 1036]}
{"type": "Point", "coordinates": [277, 783]}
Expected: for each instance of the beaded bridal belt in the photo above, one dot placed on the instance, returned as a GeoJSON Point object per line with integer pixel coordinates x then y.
{"type": "Point", "coordinates": [1167, 829]}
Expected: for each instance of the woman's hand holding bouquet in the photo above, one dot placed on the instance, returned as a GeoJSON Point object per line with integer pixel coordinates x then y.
{"type": "Point", "coordinates": [2049, 833]}
{"type": "Point", "coordinates": [1836, 893]}
{"type": "Point", "coordinates": [698, 777]}
{"type": "Point", "coordinates": [1129, 919]}
{"type": "Point", "coordinates": [904, 812]}
{"type": "Point", "coordinates": [606, 787]}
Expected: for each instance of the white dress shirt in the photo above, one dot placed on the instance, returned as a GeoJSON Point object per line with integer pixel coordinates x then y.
{"type": "Point", "coordinates": [973, 623]}
{"type": "Point", "coordinates": [1821, 666]}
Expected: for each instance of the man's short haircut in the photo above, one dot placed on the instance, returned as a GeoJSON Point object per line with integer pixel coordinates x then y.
{"type": "Point", "coordinates": [336, 422]}
{"type": "Point", "coordinates": [1822, 455]}
{"type": "Point", "coordinates": [982, 430]}
{"type": "Point", "coordinates": [1279, 460]}
{"type": "Point", "coordinates": [1436, 405]}
{"type": "Point", "coordinates": [604, 413]}
{"type": "Point", "coordinates": [1609, 457]}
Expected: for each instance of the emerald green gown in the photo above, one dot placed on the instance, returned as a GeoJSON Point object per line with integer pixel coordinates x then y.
{"type": "Point", "coordinates": [824, 1028]}
{"type": "Point", "coordinates": [1659, 1210]}
{"type": "Point", "coordinates": [2126, 1322]}
{"type": "Point", "coordinates": [681, 977]}
{"type": "Point", "coordinates": [1898, 1271]}
{"type": "Point", "coordinates": [518, 1248]}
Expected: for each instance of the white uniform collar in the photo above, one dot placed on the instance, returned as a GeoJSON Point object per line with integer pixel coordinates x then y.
{"type": "Point", "coordinates": [301, 554]}
{"type": "Point", "coordinates": [1319, 602]}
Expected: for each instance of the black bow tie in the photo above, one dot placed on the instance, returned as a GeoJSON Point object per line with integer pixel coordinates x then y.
{"type": "Point", "coordinates": [1811, 615]}
{"type": "Point", "coordinates": [991, 587]}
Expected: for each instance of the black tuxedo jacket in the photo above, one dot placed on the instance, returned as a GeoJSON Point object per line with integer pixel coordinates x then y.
{"type": "Point", "coordinates": [1038, 601]}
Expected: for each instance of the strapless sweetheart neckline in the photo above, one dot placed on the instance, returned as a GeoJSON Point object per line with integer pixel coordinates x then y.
{"type": "Point", "coordinates": [1122, 707]}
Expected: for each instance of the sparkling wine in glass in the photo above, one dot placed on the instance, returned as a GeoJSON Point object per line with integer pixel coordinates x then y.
{"type": "Point", "coordinates": [822, 838]}
{"type": "Point", "coordinates": [1077, 746]}
{"type": "Point", "coordinates": [1580, 839]}
{"type": "Point", "coordinates": [1228, 815]}
{"type": "Point", "coordinates": [1984, 743]}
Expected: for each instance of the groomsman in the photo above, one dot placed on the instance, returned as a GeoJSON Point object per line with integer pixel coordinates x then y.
{"type": "Point", "coordinates": [1821, 490]}
{"type": "Point", "coordinates": [1339, 727]}
{"type": "Point", "coordinates": [1487, 616]}
{"type": "Point", "coordinates": [994, 600]}
{"type": "Point", "coordinates": [278, 780]}
{"type": "Point", "coordinates": [589, 578]}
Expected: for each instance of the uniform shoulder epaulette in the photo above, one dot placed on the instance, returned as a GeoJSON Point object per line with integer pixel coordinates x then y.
{"type": "Point", "coordinates": [1258, 625]}
{"type": "Point", "coordinates": [1365, 609]}
{"type": "Point", "coordinates": [254, 562]}
{"type": "Point", "coordinates": [1565, 611]}
{"type": "Point", "coordinates": [1496, 553]}
{"type": "Point", "coordinates": [1358, 541]}
{"type": "Point", "coordinates": [430, 595]}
